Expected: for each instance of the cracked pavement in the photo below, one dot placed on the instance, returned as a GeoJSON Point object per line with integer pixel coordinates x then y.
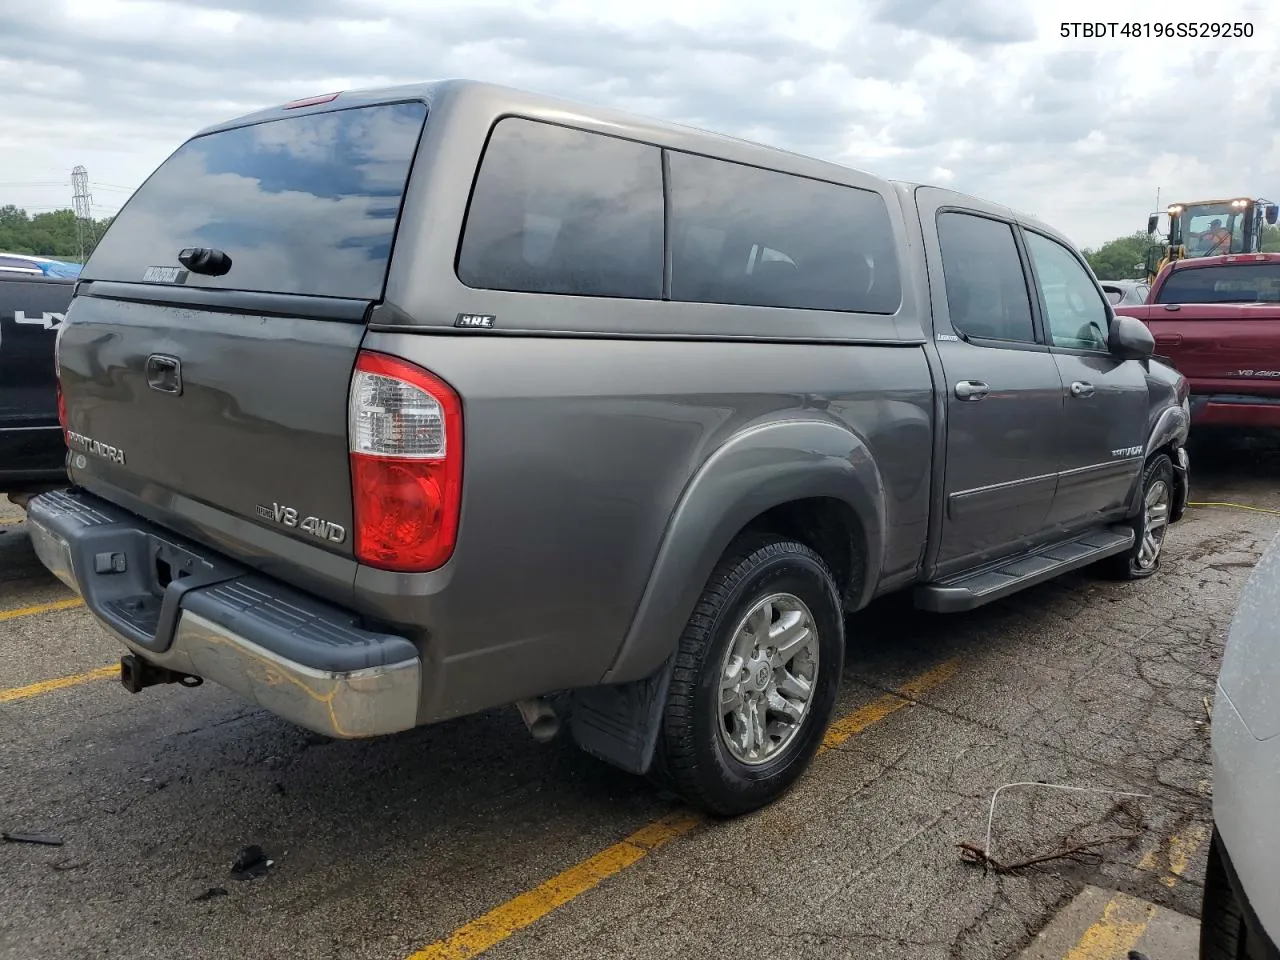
{"type": "Point", "coordinates": [383, 847]}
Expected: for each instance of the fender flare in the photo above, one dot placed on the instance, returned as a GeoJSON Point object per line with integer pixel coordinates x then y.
{"type": "Point", "coordinates": [756, 470]}
{"type": "Point", "coordinates": [763, 467]}
{"type": "Point", "coordinates": [1173, 426]}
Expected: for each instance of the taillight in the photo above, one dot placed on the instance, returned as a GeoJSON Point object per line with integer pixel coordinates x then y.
{"type": "Point", "coordinates": [405, 430]}
{"type": "Point", "coordinates": [57, 378]}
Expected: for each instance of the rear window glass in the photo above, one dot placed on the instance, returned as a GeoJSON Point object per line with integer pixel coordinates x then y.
{"type": "Point", "coordinates": [743, 235]}
{"type": "Point", "coordinates": [1235, 283]}
{"type": "Point", "coordinates": [306, 204]}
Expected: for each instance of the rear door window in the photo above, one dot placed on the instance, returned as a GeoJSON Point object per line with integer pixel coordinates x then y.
{"type": "Point", "coordinates": [986, 288]}
{"type": "Point", "coordinates": [557, 210]}
{"type": "Point", "coordinates": [744, 235]}
{"type": "Point", "coordinates": [306, 204]}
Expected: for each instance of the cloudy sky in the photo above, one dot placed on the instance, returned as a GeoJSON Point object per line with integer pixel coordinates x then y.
{"type": "Point", "coordinates": [982, 95]}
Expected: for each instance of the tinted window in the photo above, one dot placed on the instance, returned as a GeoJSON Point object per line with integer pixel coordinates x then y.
{"type": "Point", "coordinates": [1234, 283]}
{"type": "Point", "coordinates": [307, 204]}
{"type": "Point", "coordinates": [986, 289]}
{"type": "Point", "coordinates": [563, 211]}
{"type": "Point", "coordinates": [747, 236]}
{"type": "Point", "coordinates": [1075, 314]}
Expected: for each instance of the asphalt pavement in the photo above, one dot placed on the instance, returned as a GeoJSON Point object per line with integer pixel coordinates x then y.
{"type": "Point", "coordinates": [468, 838]}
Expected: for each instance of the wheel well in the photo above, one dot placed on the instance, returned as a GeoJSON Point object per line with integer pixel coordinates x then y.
{"type": "Point", "coordinates": [831, 529]}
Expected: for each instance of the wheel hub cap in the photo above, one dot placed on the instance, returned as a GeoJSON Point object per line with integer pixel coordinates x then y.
{"type": "Point", "coordinates": [1155, 523]}
{"type": "Point", "coordinates": [767, 678]}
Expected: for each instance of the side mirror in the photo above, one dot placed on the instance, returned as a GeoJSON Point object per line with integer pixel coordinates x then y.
{"type": "Point", "coordinates": [1272, 212]}
{"type": "Point", "coordinates": [1154, 220]}
{"type": "Point", "coordinates": [1130, 339]}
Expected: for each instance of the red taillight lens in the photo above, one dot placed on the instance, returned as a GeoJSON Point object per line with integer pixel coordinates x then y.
{"type": "Point", "coordinates": [405, 431]}
{"type": "Point", "coordinates": [57, 378]}
{"type": "Point", "coordinates": [62, 408]}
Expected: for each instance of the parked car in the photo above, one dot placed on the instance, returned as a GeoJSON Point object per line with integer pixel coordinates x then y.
{"type": "Point", "coordinates": [1217, 319]}
{"type": "Point", "coordinates": [32, 452]}
{"type": "Point", "coordinates": [1240, 917]}
{"type": "Point", "coordinates": [482, 397]}
{"type": "Point", "coordinates": [1126, 292]}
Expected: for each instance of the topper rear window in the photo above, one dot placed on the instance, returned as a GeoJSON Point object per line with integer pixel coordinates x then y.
{"type": "Point", "coordinates": [307, 204]}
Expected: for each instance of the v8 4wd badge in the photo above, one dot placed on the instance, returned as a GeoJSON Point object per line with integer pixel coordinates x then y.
{"type": "Point", "coordinates": [288, 517]}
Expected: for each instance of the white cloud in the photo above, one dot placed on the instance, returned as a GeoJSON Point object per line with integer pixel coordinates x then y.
{"type": "Point", "coordinates": [982, 95]}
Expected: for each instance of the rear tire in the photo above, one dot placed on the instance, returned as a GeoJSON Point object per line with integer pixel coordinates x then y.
{"type": "Point", "coordinates": [1150, 526]}
{"type": "Point", "coordinates": [755, 680]}
{"type": "Point", "coordinates": [1222, 930]}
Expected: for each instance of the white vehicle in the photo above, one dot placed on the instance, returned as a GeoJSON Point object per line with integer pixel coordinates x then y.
{"type": "Point", "coordinates": [1241, 915]}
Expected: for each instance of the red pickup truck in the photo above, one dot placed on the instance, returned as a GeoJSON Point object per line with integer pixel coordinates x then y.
{"type": "Point", "coordinates": [1217, 319]}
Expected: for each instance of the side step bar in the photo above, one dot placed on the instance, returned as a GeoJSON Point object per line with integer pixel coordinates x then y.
{"type": "Point", "coordinates": [974, 588]}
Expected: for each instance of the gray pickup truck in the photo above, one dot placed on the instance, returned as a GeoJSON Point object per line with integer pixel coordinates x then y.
{"type": "Point", "coordinates": [389, 407]}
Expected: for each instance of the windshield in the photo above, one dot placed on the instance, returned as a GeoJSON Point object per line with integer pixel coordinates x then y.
{"type": "Point", "coordinates": [1211, 229]}
{"type": "Point", "coordinates": [307, 204]}
{"type": "Point", "coordinates": [1237, 283]}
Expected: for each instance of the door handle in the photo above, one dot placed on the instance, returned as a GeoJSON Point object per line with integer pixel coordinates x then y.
{"type": "Point", "coordinates": [971, 390]}
{"type": "Point", "coordinates": [1169, 339]}
{"type": "Point", "coordinates": [1081, 389]}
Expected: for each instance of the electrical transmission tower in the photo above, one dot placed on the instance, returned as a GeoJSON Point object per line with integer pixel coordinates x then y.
{"type": "Point", "coordinates": [84, 209]}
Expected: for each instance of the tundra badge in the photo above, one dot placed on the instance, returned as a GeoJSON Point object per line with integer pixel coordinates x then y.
{"type": "Point", "coordinates": [95, 447]}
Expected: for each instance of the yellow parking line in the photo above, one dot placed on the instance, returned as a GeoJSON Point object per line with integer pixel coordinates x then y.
{"type": "Point", "coordinates": [500, 923]}
{"type": "Point", "coordinates": [1125, 918]}
{"type": "Point", "coordinates": [39, 608]}
{"type": "Point", "coordinates": [10, 521]}
{"type": "Point", "coordinates": [878, 709]}
{"type": "Point", "coordinates": [47, 686]}
{"type": "Point", "coordinates": [1233, 506]}
{"type": "Point", "coordinates": [1182, 848]}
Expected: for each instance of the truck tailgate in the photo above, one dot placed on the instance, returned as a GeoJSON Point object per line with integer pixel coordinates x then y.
{"type": "Point", "coordinates": [245, 414]}
{"type": "Point", "coordinates": [1222, 348]}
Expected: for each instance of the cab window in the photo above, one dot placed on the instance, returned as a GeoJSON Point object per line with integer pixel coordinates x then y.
{"type": "Point", "coordinates": [986, 288]}
{"type": "Point", "coordinates": [1074, 312]}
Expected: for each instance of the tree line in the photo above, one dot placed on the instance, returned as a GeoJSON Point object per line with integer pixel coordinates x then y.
{"type": "Point", "coordinates": [52, 234]}
{"type": "Point", "coordinates": [1124, 258]}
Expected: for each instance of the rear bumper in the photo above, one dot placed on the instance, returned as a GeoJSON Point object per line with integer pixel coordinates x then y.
{"type": "Point", "coordinates": [193, 611]}
{"type": "Point", "coordinates": [1235, 410]}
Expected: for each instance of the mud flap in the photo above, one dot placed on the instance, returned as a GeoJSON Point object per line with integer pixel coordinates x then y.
{"type": "Point", "coordinates": [620, 724]}
{"type": "Point", "coordinates": [1181, 483]}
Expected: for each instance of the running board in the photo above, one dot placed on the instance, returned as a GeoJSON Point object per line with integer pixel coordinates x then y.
{"type": "Point", "coordinates": [972, 589]}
